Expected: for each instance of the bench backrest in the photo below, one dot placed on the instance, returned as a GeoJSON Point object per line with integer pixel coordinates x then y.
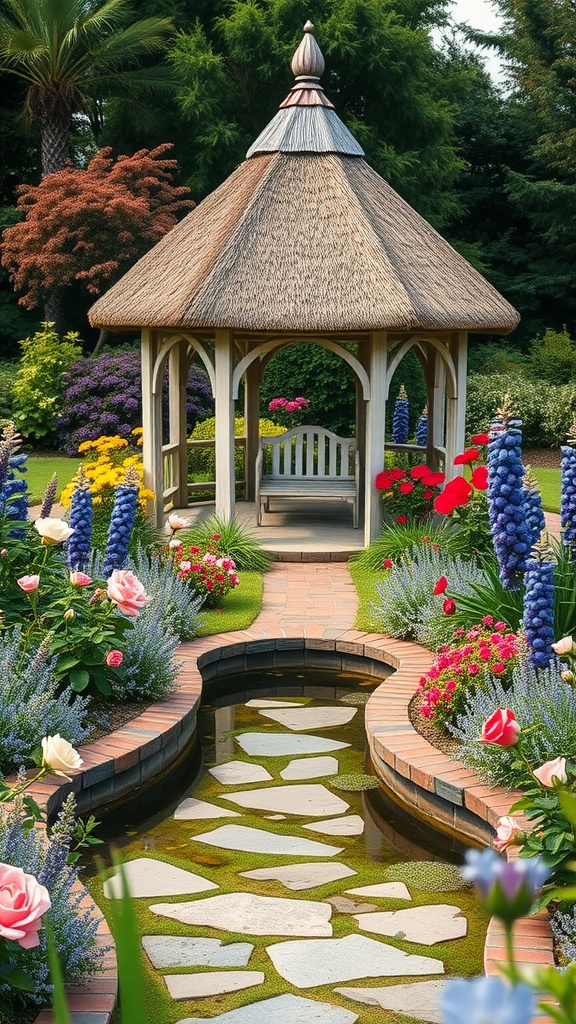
{"type": "Point", "coordinates": [308, 452]}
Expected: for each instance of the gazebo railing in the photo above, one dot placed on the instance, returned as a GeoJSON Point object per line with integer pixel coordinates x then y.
{"type": "Point", "coordinates": [172, 484]}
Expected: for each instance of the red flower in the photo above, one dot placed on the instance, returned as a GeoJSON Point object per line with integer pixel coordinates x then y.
{"type": "Point", "coordinates": [457, 492]}
{"type": "Point", "coordinates": [427, 495]}
{"type": "Point", "coordinates": [480, 438]}
{"type": "Point", "coordinates": [501, 728]}
{"type": "Point", "coordinates": [499, 668]}
{"type": "Point", "coordinates": [433, 479]}
{"type": "Point", "coordinates": [383, 481]}
{"type": "Point", "coordinates": [406, 487]}
{"type": "Point", "coordinates": [402, 520]}
{"type": "Point", "coordinates": [440, 586]}
{"type": "Point", "coordinates": [470, 455]}
{"type": "Point", "coordinates": [480, 478]}
{"type": "Point", "coordinates": [387, 563]}
{"type": "Point", "coordinates": [397, 474]}
{"type": "Point", "coordinates": [449, 606]}
{"type": "Point", "coordinates": [215, 536]}
{"type": "Point", "coordinates": [419, 471]}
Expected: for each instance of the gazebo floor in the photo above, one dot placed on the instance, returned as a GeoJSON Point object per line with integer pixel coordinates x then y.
{"type": "Point", "coordinates": [295, 531]}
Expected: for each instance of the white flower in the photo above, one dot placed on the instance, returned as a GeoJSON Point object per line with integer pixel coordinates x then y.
{"type": "Point", "coordinates": [59, 755]}
{"type": "Point", "coordinates": [175, 543]}
{"type": "Point", "coordinates": [175, 522]}
{"type": "Point", "coordinates": [563, 646]}
{"type": "Point", "coordinates": [53, 531]}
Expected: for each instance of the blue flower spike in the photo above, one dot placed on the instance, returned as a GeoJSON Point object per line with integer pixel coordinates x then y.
{"type": "Point", "coordinates": [533, 505]}
{"type": "Point", "coordinates": [508, 888]}
{"type": "Point", "coordinates": [80, 519]}
{"type": "Point", "coordinates": [422, 428]}
{"type": "Point", "coordinates": [486, 1001]}
{"type": "Point", "coordinates": [568, 492]}
{"type": "Point", "coordinates": [506, 507]}
{"type": "Point", "coordinates": [121, 522]}
{"type": "Point", "coordinates": [401, 418]}
{"type": "Point", "coordinates": [13, 491]}
{"type": "Point", "coordinates": [538, 617]}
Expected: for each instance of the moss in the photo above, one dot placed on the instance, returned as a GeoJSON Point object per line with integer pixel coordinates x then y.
{"type": "Point", "coordinates": [239, 608]}
{"type": "Point", "coordinates": [357, 699]}
{"type": "Point", "coordinates": [355, 783]}
{"type": "Point", "coordinates": [428, 875]}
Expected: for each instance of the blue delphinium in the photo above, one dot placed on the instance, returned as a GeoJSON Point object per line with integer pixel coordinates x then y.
{"type": "Point", "coordinates": [533, 506]}
{"type": "Point", "coordinates": [13, 491]}
{"type": "Point", "coordinates": [422, 428]}
{"type": "Point", "coordinates": [79, 544]}
{"type": "Point", "coordinates": [486, 999]}
{"type": "Point", "coordinates": [568, 493]}
{"type": "Point", "coordinates": [538, 619]}
{"type": "Point", "coordinates": [400, 418]}
{"type": "Point", "coordinates": [506, 509]}
{"type": "Point", "coordinates": [121, 523]}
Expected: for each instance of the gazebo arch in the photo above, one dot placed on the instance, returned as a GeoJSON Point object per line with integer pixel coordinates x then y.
{"type": "Point", "coordinates": [303, 242]}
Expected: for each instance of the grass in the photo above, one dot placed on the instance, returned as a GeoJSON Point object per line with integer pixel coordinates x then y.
{"type": "Point", "coordinates": [365, 580]}
{"type": "Point", "coordinates": [549, 483]}
{"type": "Point", "coordinates": [40, 470]}
{"type": "Point", "coordinates": [239, 608]}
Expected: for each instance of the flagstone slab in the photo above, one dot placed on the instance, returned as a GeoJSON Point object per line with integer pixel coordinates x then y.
{"type": "Point", "coordinates": [183, 951]}
{"type": "Point", "coordinates": [301, 876]}
{"type": "Point", "coordinates": [351, 825]}
{"type": "Point", "coordinates": [264, 702]}
{"type": "Point", "coordinates": [327, 961]}
{"type": "Point", "coordinates": [390, 890]}
{"type": "Point", "coordinates": [194, 810]}
{"type": "Point", "coordinates": [252, 914]}
{"type": "Point", "coordinates": [149, 877]}
{"type": "Point", "coordinates": [279, 744]}
{"type": "Point", "coordinates": [419, 999]}
{"type": "Point", "coordinates": [345, 906]}
{"type": "Point", "coordinates": [238, 773]}
{"type": "Point", "coordinates": [285, 1009]}
{"type": "Point", "coordinates": [300, 719]}
{"type": "Point", "coordinates": [304, 800]}
{"type": "Point", "coordinates": [211, 983]}
{"type": "Point", "coordinates": [257, 840]}
{"type": "Point", "coordinates": [309, 768]}
{"type": "Point", "coordinates": [426, 925]}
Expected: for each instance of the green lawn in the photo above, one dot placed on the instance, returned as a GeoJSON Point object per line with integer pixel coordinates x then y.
{"type": "Point", "coordinates": [549, 481]}
{"type": "Point", "coordinates": [41, 469]}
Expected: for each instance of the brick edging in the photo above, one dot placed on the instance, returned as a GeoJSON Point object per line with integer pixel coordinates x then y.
{"type": "Point", "coordinates": [407, 764]}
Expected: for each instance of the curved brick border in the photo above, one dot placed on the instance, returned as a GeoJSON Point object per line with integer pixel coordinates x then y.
{"type": "Point", "coordinates": [434, 786]}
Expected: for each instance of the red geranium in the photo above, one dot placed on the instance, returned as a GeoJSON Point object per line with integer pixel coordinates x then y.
{"type": "Point", "coordinates": [396, 474]}
{"type": "Point", "coordinates": [406, 487]}
{"type": "Point", "coordinates": [419, 471]}
{"type": "Point", "coordinates": [457, 492]}
{"type": "Point", "coordinates": [383, 481]}
{"type": "Point", "coordinates": [433, 479]}
{"type": "Point", "coordinates": [465, 458]}
{"type": "Point", "coordinates": [440, 586]}
{"type": "Point", "coordinates": [427, 494]}
{"type": "Point", "coordinates": [480, 478]}
{"type": "Point", "coordinates": [480, 438]}
{"type": "Point", "coordinates": [402, 520]}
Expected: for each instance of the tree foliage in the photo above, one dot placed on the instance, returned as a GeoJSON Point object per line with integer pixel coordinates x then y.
{"type": "Point", "coordinates": [89, 226]}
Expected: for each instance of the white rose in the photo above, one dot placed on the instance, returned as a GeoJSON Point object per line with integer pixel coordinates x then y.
{"type": "Point", "coordinates": [53, 531]}
{"type": "Point", "coordinates": [59, 755]}
{"type": "Point", "coordinates": [176, 522]}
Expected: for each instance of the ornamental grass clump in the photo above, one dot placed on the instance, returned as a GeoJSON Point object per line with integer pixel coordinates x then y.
{"type": "Point", "coordinates": [507, 513]}
{"type": "Point", "coordinates": [538, 618]}
{"type": "Point", "coordinates": [461, 667]}
{"type": "Point", "coordinates": [401, 418]}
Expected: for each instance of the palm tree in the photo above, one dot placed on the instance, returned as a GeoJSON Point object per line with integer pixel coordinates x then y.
{"type": "Point", "coordinates": [72, 54]}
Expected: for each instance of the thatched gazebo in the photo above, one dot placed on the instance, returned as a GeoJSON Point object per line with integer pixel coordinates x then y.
{"type": "Point", "coordinates": [304, 242]}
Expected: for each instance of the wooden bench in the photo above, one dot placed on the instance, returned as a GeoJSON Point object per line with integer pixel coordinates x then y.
{"type": "Point", "coordinates": [307, 462]}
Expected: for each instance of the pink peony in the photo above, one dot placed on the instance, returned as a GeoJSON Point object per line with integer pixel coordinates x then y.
{"type": "Point", "coordinates": [28, 583]}
{"type": "Point", "coordinates": [80, 579]}
{"type": "Point", "coordinates": [501, 729]}
{"type": "Point", "coordinates": [552, 773]}
{"type": "Point", "coordinates": [114, 659]}
{"type": "Point", "coordinates": [127, 592]}
{"type": "Point", "coordinates": [23, 901]}
{"type": "Point", "coordinates": [508, 834]}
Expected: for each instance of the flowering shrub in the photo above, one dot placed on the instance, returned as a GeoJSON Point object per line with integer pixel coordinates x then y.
{"type": "Point", "coordinates": [461, 666]}
{"type": "Point", "coordinates": [38, 386]}
{"type": "Point", "coordinates": [103, 396]}
{"type": "Point", "coordinates": [210, 573]}
{"type": "Point", "coordinates": [408, 494]}
{"type": "Point", "coordinates": [286, 410]}
{"type": "Point", "coordinates": [203, 460]}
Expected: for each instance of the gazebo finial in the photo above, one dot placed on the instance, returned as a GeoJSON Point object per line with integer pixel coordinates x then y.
{"type": "Point", "coordinates": [308, 62]}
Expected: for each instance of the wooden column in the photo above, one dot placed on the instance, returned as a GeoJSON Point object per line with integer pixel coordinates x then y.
{"type": "Point", "coordinates": [437, 405]}
{"type": "Point", "coordinates": [224, 411]}
{"type": "Point", "coordinates": [375, 436]}
{"type": "Point", "coordinates": [152, 428]}
{"type": "Point", "coordinates": [456, 405]}
{"type": "Point", "coordinates": [252, 380]}
{"type": "Point", "coordinates": [177, 380]}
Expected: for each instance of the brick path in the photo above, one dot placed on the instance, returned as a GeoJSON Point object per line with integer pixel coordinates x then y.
{"type": "Point", "coordinates": [309, 599]}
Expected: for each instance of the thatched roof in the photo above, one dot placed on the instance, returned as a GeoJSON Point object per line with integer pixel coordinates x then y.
{"type": "Point", "coordinates": [304, 236]}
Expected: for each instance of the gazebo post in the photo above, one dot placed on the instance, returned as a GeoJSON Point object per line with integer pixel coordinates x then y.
{"type": "Point", "coordinates": [456, 405]}
{"type": "Point", "coordinates": [437, 407]}
{"type": "Point", "coordinates": [152, 428]}
{"type": "Point", "coordinates": [251, 425]}
{"type": "Point", "coordinates": [375, 436]}
{"type": "Point", "coordinates": [177, 381]}
{"type": "Point", "coordinates": [224, 412]}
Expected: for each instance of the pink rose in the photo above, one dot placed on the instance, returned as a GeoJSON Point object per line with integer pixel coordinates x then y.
{"type": "Point", "coordinates": [127, 592]}
{"type": "Point", "coordinates": [501, 728]}
{"type": "Point", "coordinates": [563, 646]}
{"type": "Point", "coordinates": [80, 579]}
{"type": "Point", "coordinates": [114, 659]}
{"type": "Point", "coordinates": [28, 583]}
{"type": "Point", "coordinates": [23, 901]}
{"type": "Point", "coordinates": [508, 834]}
{"type": "Point", "coordinates": [552, 773]}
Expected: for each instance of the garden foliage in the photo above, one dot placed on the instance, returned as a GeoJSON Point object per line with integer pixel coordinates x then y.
{"type": "Point", "coordinates": [38, 388]}
{"type": "Point", "coordinates": [202, 461]}
{"type": "Point", "coordinates": [171, 597]}
{"type": "Point", "coordinates": [149, 670]}
{"type": "Point", "coordinates": [547, 409]}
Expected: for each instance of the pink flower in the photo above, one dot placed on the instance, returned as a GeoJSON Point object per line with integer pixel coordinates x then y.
{"type": "Point", "coordinates": [449, 606]}
{"type": "Point", "coordinates": [28, 583]}
{"type": "Point", "coordinates": [488, 620]}
{"type": "Point", "coordinates": [114, 659]}
{"type": "Point", "coordinates": [23, 901]}
{"type": "Point", "coordinates": [80, 579]}
{"type": "Point", "coordinates": [552, 773]}
{"type": "Point", "coordinates": [185, 566]}
{"type": "Point", "coordinates": [501, 729]}
{"type": "Point", "coordinates": [563, 646]}
{"type": "Point", "coordinates": [387, 563]}
{"type": "Point", "coordinates": [127, 592]}
{"type": "Point", "coordinates": [508, 834]}
{"type": "Point", "coordinates": [473, 669]}
{"type": "Point", "coordinates": [498, 668]}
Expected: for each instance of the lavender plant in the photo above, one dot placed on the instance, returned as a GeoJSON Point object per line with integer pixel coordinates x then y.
{"type": "Point", "coordinates": [13, 496]}
{"type": "Point", "coordinates": [177, 607]}
{"type": "Point", "coordinates": [31, 704]}
{"type": "Point", "coordinates": [538, 619]}
{"type": "Point", "coordinates": [401, 417]}
{"type": "Point", "coordinates": [507, 515]}
{"type": "Point", "coordinates": [568, 492]}
{"type": "Point", "coordinates": [533, 506]}
{"type": "Point", "coordinates": [121, 522]}
{"type": "Point", "coordinates": [80, 519]}
{"type": "Point", "coordinates": [563, 927]}
{"type": "Point", "coordinates": [422, 427]}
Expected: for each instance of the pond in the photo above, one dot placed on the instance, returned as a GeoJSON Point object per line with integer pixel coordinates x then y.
{"type": "Point", "coordinates": [277, 887]}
